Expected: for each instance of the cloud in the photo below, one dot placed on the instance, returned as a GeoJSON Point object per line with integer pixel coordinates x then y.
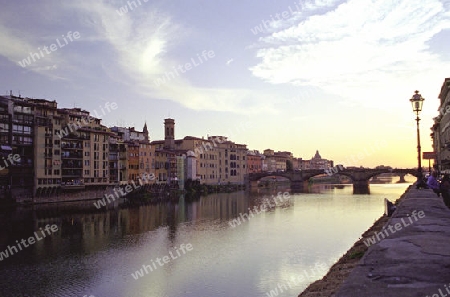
{"type": "Point", "coordinates": [362, 45]}
{"type": "Point", "coordinates": [292, 14]}
{"type": "Point", "coordinates": [143, 41]}
{"type": "Point", "coordinates": [17, 46]}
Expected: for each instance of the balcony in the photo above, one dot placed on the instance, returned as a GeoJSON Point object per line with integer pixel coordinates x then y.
{"type": "Point", "coordinates": [71, 156]}
{"type": "Point", "coordinates": [23, 122]}
{"type": "Point", "coordinates": [72, 166]}
{"type": "Point", "coordinates": [77, 136]}
{"type": "Point", "coordinates": [71, 173]}
{"type": "Point", "coordinates": [71, 146]}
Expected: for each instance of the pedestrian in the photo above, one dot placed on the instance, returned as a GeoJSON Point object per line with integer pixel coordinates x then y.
{"type": "Point", "coordinates": [445, 188]}
{"type": "Point", "coordinates": [433, 183]}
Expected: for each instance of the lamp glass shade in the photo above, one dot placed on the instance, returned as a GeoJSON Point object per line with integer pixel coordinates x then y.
{"type": "Point", "coordinates": [417, 102]}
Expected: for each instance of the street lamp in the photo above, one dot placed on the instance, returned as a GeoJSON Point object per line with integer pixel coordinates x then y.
{"type": "Point", "coordinates": [417, 102]}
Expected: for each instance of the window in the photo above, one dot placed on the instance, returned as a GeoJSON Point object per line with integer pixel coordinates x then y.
{"type": "Point", "coordinates": [21, 129]}
{"type": "Point", "coordinates": [22, 139]}
{"type": "Point", "coordinates": [23, 109]}
{"type": "Point", "coordinates": [26, 119]}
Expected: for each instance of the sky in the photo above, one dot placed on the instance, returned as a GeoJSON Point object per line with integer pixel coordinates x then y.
{"type": "Point", "coordinates": [298, 76]}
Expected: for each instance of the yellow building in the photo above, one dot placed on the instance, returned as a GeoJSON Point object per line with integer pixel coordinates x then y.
{"type": "Point", "coordinates": [47, 147]}
{"type": "Point", "coordinates": [84, 150]}
{"type": "Point", "coordinates": [206, 157]}
{"type": "Point", "coordinates": [232, 160]}
{"type": "Point", "coordinates": [146, 154]}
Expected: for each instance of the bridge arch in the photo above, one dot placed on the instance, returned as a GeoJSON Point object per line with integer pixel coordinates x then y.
{"type": "Point", "coordinates": [299, 179]}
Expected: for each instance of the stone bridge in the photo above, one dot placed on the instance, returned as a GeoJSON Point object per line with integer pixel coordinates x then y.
{"type": "Point", "coordinates": [300, 178]}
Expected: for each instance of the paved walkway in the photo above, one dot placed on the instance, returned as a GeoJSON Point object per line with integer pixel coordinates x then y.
{"type": "Point", "coordinates": [414, 257]}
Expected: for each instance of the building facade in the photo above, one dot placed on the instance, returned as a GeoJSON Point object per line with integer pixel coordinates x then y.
{"type": "Point", "coordinates": [254, 161]}
{"type": "Point", "coordinates": [441, 130]}
{"type": "Point", "coordinates": [317, 162]}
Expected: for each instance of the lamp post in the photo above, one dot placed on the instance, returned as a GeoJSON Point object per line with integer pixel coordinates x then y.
{"type": "Point", "coordinates": [417, 102]}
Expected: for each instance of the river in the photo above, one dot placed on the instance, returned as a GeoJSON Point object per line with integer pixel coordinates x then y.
{"type": "Point", "coordinates": [281, 243]}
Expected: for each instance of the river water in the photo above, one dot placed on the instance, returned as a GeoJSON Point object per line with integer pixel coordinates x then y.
{"type": "Point", "coordinates": [283, 243]}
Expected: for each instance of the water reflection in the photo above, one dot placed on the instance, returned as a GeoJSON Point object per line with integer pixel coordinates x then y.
{"type": "Point", "coordinates": [84, 229]}
{"type": "Point", "coordinates": [96, 250]}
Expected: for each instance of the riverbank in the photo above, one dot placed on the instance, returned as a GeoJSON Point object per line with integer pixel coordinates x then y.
{"type": "Point", "coordinates": [337, 274]}
{"type": "Point", "coordinates": [129, 192]}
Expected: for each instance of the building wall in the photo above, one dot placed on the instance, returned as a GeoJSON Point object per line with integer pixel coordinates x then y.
{"type": "Point", "coordinates": [113, 160]}
{"type": "Point", "coordinates": [22, 176]}
{"type": "Point", "coordinates": [123, 162]}
{"type": "Point", "coordinates": [254, 162]}
{"type": "Point", "coordinates": [133, 161]}
{"type": "Point", "coordinates": [98, 148]}
{"type": "Point", "coordinates": [443, 139]}
{"type": "Point", "coordinates": [232, 160]}
{"type": "Point", "coordinates": [165, 166]}
{"type": "Point", "coordinates": [208, 164]}
{"type": "Point", "coordinates": [191, 168]}
{"type": "Point", "coordinates": [145, 161]}
{"type": "Point", "coordinates": [47, 147]}
{"type": "Point", "coordinates": [205, 154]}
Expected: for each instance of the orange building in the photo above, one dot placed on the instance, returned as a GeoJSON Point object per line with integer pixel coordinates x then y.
{"type": "Point", "coordinates": [133, 161]}
{"type": "Point", "coordinates": [254, 162]}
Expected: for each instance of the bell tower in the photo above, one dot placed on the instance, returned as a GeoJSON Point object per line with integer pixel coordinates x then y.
{"type": "Point", "coordinates": [145, 130]}
{"type": "Point", "coordinates": [169, 134]}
